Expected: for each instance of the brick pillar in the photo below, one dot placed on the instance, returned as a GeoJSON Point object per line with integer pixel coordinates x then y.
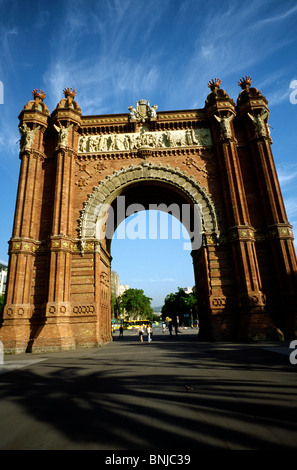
{"type": "Point", "coordinates": [18, 312]}
{"type": "Point", "coordinates": [57, 332]}
{"type": "Point", "coordinates": [251, 300]}
{"type": "Point", "coordinates": [253, 109]}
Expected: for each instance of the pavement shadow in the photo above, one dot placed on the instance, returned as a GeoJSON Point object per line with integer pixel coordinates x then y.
{"type": "Point", "coordinates": [101, 402]}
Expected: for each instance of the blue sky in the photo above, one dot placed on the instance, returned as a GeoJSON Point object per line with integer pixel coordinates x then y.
{"type": "Point", "coordinates": [115, 52]}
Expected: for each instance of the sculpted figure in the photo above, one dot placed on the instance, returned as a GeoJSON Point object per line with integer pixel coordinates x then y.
{"type": "Point", "coordinates": [27, 136]}
{"type": "Point", "coordinates": [132, 113]}
{"type": "Point", "coordinates": [191, 137]}
{"type": "Point", "coordinates": [259, 122]}
{"type": "Point", "coordinates": [118, 144]}
{"type": "Point", "coordinates": [153, 111]}
{"type": "Point", "coordinates": [160, 142]}
{"type": "Point", "coordinates": [170, 139]}
{"type": "Point", "coordinates": [225, 125]}
{"type": "Point", "coordinates": [83, 144]}
{"type": "Point", "coordinates": [63, 134]}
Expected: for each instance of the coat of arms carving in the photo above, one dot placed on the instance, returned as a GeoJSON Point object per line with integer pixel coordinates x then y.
{"type": "Point", "coordinates": [143, 111]}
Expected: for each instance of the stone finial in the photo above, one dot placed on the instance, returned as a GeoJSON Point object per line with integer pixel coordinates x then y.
{"type": "Point", "coordinates": [69, 93]}
{"type": "Point", "coordinates": [38, 95]}
{"type": "Point", "coordinates": [214, 84]}
{"type": "Point", "coordinates": [68, 101]}
{"type": "Point", "coordinates": [37, 103]}
{"type": "Point", "coordinates": [245, 82]}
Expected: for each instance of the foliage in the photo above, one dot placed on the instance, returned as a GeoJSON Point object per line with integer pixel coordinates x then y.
{"type": "Point", "coordinates": [178, 304]}
{"type": "Point", "coordinates": [1, 303]}
{"type": "Point", "coordinates": [136, 304]}
{"type": "Point", "coordinates": [115, 306]}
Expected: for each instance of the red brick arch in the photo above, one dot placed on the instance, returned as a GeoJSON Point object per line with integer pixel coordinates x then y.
{"type": "Point", "coordinates": [218, 158]}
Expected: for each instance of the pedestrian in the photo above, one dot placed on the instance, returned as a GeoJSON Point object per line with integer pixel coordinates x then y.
{"type": "Point", "coordinates": [149, 332]}
{"type": "Point", "coordinates": [170, 328]}
{"type": "Point", "coordinates": [163, 327]}
{"type": "Point", "coordinates": [176, 328]}
{"type": "Point", "coordinates": [121, 332]}
{"type": "Point", "coordinates": [140, 333]}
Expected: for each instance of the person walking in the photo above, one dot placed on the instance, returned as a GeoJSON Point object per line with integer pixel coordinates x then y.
{"type": "Point", "coordinates": [121, 332]}
{"type": "Point", "coordinates": [140, 333]}
{"type": "Point", "coordinates": [176, 328]}
{"type": "Point", "coordinates": [149, 332]}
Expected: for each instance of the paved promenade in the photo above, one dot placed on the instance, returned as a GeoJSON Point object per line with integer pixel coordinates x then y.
{"type": "Point", "coordinates": [174, 393]}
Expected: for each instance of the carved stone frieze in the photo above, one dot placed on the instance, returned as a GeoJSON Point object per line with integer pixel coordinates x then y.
{"type": "Point", "coordinates": [137, 140]}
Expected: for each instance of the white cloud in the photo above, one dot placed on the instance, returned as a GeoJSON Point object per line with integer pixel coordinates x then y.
{"type": "Point", "coordinates": [291, 208]}
{"type": "Point", "coordinates": [277, 17]}
{"type": "Point", "coordinates": [287, 174]}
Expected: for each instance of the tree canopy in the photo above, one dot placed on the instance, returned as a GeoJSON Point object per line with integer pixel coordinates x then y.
{"type": "Point", "coordinates": [136, 304]}
{"type": "Point", "coordinates": [178, 304]}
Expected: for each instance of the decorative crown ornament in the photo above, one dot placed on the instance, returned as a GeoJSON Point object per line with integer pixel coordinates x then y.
{"type": "Point", "coordinates": [245, 82]}
{"type": "Point", "coordinates": [38, 94]}
{"type": "Point", "coordinates": [69, 92]}
{"type": "Point", "coordinates": [214, 83]}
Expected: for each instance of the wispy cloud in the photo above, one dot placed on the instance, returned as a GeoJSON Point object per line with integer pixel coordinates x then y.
{"type": "Point", "coordinates": [130, 56]}
{"type": "Point", "coordinates": [276, 18]}
{"type": "Point", "coordinates": [287, 174]}
{"type": "Point", "coordinates": [114, 63]}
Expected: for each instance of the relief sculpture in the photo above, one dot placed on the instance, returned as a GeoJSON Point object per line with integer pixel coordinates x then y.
{"type": "Point", "coordinates": [134, 141]}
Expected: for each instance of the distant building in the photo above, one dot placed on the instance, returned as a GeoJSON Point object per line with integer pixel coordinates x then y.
{"type": "Point", "coordinates": [115, 284]}
{"type": "Point", "coordinates": [117, 289]}
{"type": "Point", "coordinates": [188, 290]}
{"type": "Point", "coordinates": [3, 278]}
{"type": "Point", "coordinates": [123, 288]}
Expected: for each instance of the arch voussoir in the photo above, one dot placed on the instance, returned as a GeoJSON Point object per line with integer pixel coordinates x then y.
{"type": "Point", "coordinates": [108, 189]}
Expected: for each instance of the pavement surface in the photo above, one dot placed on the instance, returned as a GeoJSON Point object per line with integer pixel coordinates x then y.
{"type": "Point", "coordinates": [174, 393]}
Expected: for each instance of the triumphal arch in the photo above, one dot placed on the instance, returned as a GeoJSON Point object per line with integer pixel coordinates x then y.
{"type": "Point", "coordinates": [75, 169]}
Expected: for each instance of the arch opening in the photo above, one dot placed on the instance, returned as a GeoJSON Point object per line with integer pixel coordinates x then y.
{"type": "Point", "coordinates": [148, 253]}
{"type": "Point", "coordinates": [143, 187]}
{"type": "Point", "coordinates": [153, 197]}
{"type": "Point", "coordinates": [151, 187]}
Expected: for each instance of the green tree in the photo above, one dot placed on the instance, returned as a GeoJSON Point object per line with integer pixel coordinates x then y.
{"type": "Point", "coordinates": [136, 304]}
{"type": "Point", "coordinates": [115, 306]}
{"type": "Point", "coordinates": [179, 304]}
{"type": "Point", "coordinates": [1, 301]}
